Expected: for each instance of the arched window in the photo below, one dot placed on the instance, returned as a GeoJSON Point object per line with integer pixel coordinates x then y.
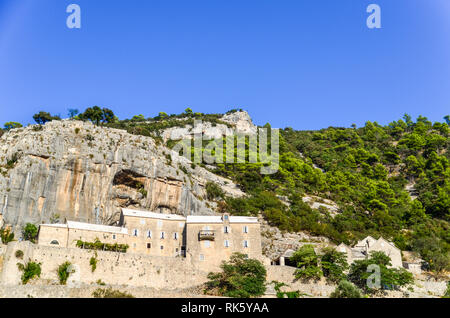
{"type": "Point", "coordinates": [54, 242]}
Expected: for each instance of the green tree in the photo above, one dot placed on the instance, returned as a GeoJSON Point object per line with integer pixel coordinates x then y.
{"type": "Point", "coordinates": [30, 232]}
{"type": "Point", "coordinates": [389, 277]}
{"type": "Point", "coordinates": [12, 125]}
{"type": "Point", "coordinates": [447, 119]}
{"type": "Point", "coordinates": [108, 116]}
{"type": "Point", "coordinates": [72, 112]}
{"type": "Point", "coordinates": [240, 277]}
{"type": "Point", "coordinates": [307, 263]}
{"type": "Point", "coordinates": [333, 264]}
{"type": "Point", "coordinates": [93, 114]}
{"type": "Point", "coordinates": [138, 118]}
{"type": "Point", "coordinates": [43, 117]}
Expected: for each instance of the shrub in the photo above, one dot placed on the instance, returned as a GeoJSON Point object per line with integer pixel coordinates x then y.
{"type": "Point", "coordinates": [19, 254]}
{"type": "Point", "coordinates": [93, 263]}
{"type": "Point", "coordinates": [6, 235]}
{"type": "Point", "coordinates": [307, 263]}
{"type": "Point", "coordinates": [38, 128]}
{"type": "Point", "coordinates": [345, 289]}
{"type": "Point", "coordinates": [110, 293]}
{"type": "Point", "coordinates": [282, 294]}
{"type": "Point", "coordinates": [447, 292]}
{"type": "Point", "coordinates": [30, 232]}
{"type": "Point", "coordinates": [64, 271]}
{"type": "Point", "coordinates": [213, 191]}
{"type": "Point", "coordinates": [30, 271]}
{"type": "Point", "coordinates": [10, 163]}
{"type": "Point", "coordinates": [240, 277]}
{"type": "Point", "coordinates": [98, 245]}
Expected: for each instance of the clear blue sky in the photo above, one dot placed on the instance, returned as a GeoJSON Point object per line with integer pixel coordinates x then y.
{"type": "Point", "coordinates": [306, 64]}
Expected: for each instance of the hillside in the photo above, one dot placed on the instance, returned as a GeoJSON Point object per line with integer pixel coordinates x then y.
{"type": "Point", "coordinates": [338, 183]}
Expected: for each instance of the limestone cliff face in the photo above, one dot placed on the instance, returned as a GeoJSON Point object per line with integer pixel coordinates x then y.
{"type": "Point", "coordinates": [78, 171]}
{"type": "Point", "coordinates": [239, 122]}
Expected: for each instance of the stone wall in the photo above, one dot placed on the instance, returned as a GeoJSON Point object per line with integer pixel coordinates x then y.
{"type": "Point", "coordinates": [285, 274]}
{"type": "Point", "coordinates": [85, 291]}
{"type": "Point", "coordinates": [112, 268]}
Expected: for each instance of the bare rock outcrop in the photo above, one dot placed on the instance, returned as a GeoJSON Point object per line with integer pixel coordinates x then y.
{"type": "Point", "coordinates": [237, 122]}
{"type": "Point", "coordinates": [82, 172]}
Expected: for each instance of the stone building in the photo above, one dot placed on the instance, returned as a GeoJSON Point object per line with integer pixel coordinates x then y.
{"type": "Point", "coordinates": [363, 248]}
{"type": "Point", "coordinates": [212, 239]}
{"type": "Point", "coordinates": [204, 240]}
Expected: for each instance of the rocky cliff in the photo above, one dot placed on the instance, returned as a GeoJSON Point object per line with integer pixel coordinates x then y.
{"type": "Point", "coordinates": [75, 170]}
{"type": "Point", "coordinates": [232, 123]}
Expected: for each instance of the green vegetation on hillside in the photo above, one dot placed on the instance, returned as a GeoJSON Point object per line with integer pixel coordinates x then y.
{"type": "Point", "coordinates": [391, 180]}
{"type": "Point", "coordinates": [366, 171]}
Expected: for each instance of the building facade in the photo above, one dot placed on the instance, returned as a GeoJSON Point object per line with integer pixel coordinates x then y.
{"type": "Point", "coordinates": [204, 240]}
{"type": "Point", "coordinates": [212, 239]}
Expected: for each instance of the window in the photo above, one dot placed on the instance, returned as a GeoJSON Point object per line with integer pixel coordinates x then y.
{"type": "Point", "coordinates": [245, 244]}
{"type": "Point", "coordinates": [207, 244]}
{"type": "Point", "coordinates": [54, 242]}
{"type": "Point", "coordinates": [135, 232]}
{"type": "Point", "coordinates": [202, 257]}
{"type": "Point", "coordinates": [226, 229]}
{"type": "Point", "coordinates": [160, 224]}
{"type": "Point", "coordinates": [162, 235]}
{"type": "Point", "coordinates": [149, 234]}
{"type": "Point", "coordinates": [225, 217]}
{"type": "Point", "coordinates": [162, 247]}
{"type": "Point", "coordinates": [114, 236]}
{"type": "Point", "coordinates": [226, 243]}
{"type": "Point", "coordinates": [149, 245]}
{"type": "Point", "coordinates": [175, 236]}
{"type": "Point", "coordinates": [245, 229]}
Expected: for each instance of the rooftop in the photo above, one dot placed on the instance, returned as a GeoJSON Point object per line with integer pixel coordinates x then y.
{"type": "Point", "coordinates": [218, 219]}
{"type": "Point", "coordinates": [89, 227]}
{"type": "Point", "coordinates": [152, 215]}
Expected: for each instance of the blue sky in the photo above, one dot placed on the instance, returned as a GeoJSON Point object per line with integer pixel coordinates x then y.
{"type": "Point", "coordinates": [307, 64]}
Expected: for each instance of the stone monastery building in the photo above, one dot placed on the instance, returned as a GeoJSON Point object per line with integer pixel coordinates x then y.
{"type": "Point", "coordinates": [202, 239]}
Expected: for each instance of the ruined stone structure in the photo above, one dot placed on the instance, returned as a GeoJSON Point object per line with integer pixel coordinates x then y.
{"type": "Point", "coordinates": [363, 248]}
